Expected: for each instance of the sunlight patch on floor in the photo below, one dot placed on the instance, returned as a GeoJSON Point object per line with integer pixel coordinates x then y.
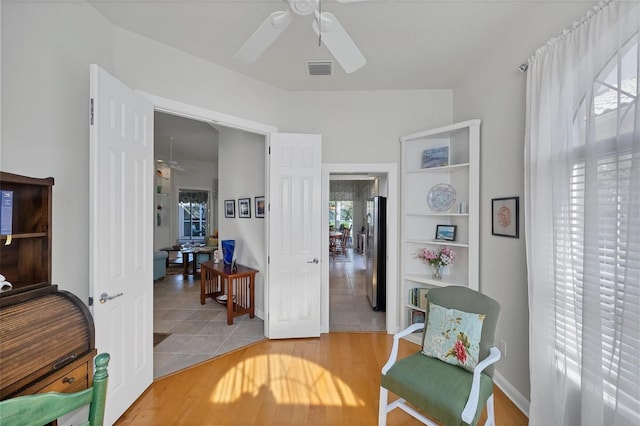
{"type": "Point", "coordinates": [287, 379]}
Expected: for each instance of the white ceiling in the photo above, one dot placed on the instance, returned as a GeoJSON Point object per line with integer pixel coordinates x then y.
{"type": "Point", "coordinates": [408, 44]}
{"type": "Point", "coordinates": [192, 140]}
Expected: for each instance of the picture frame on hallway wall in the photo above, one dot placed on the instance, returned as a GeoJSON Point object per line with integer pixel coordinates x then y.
{"type": "Point", "coordinates": [244, 207]}
{"type": "Point", "coordinates": [229, 208]}
{"type": "Point", "coordinates": [505, 217]}
{"type": "Point", "coordinates": [259, 206]}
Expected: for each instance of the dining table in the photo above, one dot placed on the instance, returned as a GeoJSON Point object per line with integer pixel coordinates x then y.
{"type": "Point", "coordinates": [190, 258]}
{"type": "Point", "coordinates": [334, 236]}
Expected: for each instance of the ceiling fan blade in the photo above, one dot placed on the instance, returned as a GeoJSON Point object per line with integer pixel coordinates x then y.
{"type": "Point", "coordinates": [266, 34]}
{"type": "Point", "coordinates": [338, 42]}
{"type": "Point", "coordinates": [174, 165]}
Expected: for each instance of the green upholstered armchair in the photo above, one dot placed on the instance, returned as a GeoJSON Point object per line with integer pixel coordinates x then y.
{"type": "Point", "coordinates": [43, 408]}
{"type": "Point", "coordinates": [443, 390]}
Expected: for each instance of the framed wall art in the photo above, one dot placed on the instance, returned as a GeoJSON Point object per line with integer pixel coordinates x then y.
{"type": "Point", "coordinates": [505, 217]}
{"type": "Point", "coordinates": [259, 206]}
{"type": "Point", "coordinates": [435, 157]}
{"type": "Point", "coordinates": [229, 208]}
{"type": "Point", "coordinates": [446, 232]}
{"type": "Point", "coordinates": [244, 207]}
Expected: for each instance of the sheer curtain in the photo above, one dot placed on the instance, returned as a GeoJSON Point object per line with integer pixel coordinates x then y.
{"type": "Point", "coordinates": [582, 221]}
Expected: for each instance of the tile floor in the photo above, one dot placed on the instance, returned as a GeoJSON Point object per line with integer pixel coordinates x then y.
{"type": "Point", "coordinates": [200, 332]}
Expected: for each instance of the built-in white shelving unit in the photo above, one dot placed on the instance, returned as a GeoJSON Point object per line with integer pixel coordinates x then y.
{"type": "Point", "coordinates": [162, 192]}
{"type": "Point", "coordinates": [419, 220]}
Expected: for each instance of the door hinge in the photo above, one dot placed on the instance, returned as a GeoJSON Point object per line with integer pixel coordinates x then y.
{"type": "Point", "coordinates": [269, 260]}
{"type": "Point", "coordinates": [91, 112]}
{"type": "Point", "coordinates": [90, 301]}
{"type": "Point", "coordinates": [269, 150]}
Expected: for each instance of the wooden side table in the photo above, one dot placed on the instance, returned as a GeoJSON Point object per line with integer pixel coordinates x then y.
{"type": "Point", "coordinates": [234, 289]}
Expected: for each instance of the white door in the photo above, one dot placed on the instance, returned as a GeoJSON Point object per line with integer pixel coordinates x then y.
{"type": "Point", "coordinates": [121, 236]}
{"type": "Point", "coordinates": [294, 235]}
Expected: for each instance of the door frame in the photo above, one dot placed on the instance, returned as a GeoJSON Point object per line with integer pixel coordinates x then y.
{"type": "Point", "coordinates": [193, 112]}
{"type": "Point", "coordinates": [390, 170]}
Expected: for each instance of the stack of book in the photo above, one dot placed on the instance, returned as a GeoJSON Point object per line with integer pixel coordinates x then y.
{"type": "Point", "coordinates": [418, 297]}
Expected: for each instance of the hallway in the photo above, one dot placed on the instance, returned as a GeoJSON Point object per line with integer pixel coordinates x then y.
{"type": "Point", "coordinates": [349, 308]}
{"type": "Point", "coordinates": [200, 332]}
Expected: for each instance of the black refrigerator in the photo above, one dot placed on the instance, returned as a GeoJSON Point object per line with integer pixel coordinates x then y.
{"type": "Point", "coordinates": [375, 252]}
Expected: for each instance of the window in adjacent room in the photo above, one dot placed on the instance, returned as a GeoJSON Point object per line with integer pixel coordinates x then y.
{"type": "Point", "coordinates": [192, 215]}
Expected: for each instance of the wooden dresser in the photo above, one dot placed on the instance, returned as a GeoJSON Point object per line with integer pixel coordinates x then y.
{"type": "Point", "coordinates": [46, 335]}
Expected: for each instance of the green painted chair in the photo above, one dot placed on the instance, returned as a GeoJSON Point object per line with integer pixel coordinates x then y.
{"type": "Point", "coordinates": [449, 393]}
{"type": "Point", "coordinates": [40, 409]}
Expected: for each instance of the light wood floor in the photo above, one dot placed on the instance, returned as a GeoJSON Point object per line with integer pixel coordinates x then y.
{"type": "Point", "coordinates": [333, 380]}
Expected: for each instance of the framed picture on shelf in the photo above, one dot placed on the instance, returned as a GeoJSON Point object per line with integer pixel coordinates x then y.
{"type": "Point", "coordinates": [244, 207]}
{"type": "Point", "coordinates": [446, 232]}
{"type": "Point", "coordinates": [435, 157]}
{"type": "Point", "coordinates": [505, 217]}
{"type": "Point", "coordinates": [229, 208]}
{"type": "Point", "coordinates": [259, 206]}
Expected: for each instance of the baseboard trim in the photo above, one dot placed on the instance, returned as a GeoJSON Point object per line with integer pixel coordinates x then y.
{"type": "Point", "coordinates": [512, 393]}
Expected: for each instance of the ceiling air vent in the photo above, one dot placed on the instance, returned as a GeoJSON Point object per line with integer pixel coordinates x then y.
{"type": "Point", "coordinates": [320, 67]}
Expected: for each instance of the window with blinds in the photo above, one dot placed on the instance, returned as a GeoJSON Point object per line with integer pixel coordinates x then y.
{"type": "Point", "coordinates": [597, 268]}
{"type": "Point", "coordinates": [192, 215]}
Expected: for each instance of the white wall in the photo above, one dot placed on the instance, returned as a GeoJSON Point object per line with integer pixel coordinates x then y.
{"type": "Point", "coordinates": [46, 51]}
{"type": "Point", "coordinates": [146, 65]}
{"type": "Point", "coordinates": [242, 175]}
{"type": "Point", "coordinates": [494, 91]}
{"type": "Point", "coordinates": [364, 126]}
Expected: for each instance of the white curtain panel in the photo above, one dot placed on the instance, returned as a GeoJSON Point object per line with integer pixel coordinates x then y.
{"type": "Point", "coordinates": [582, 221]}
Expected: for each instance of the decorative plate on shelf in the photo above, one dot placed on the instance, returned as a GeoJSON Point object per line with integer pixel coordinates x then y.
{"type": "Point", "coordinates": [441, 197]}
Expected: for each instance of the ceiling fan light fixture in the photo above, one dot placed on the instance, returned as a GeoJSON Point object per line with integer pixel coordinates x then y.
{"type": "Point", "coordinates": [327, 27]}
{"type": "Point", "coordinates": [323, 67]}
{"type": "Point", "coordinates": [303, 7]}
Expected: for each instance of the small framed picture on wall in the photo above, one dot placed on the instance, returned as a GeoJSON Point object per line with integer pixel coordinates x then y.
{"type": "Point", "coordinates": [244, 207]}
{"type": "Point", "coordinates": [229, 208]}
{"type": "Point", "coordinates": [259, 206]}
{"type": "Point", "coordinates": [505, 217]}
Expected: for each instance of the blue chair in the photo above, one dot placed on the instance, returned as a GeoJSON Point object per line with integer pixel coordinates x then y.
{"type": "Point", "coordinates": [159, 264]}
{"type": "Point", "coordinates": [449, 393]}
{"type": "Point", "coordinates": [40, 409]}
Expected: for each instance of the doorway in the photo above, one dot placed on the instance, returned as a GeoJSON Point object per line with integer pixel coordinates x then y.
{"type": "Point", "coordinates": [193, 332]}
{"type": "Point", "coordinates": [386, 175]}
{"type": "Point", "coordinates": [349, 305]}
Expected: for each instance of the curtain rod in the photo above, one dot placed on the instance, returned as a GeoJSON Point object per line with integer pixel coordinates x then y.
{"type": "Point", "coordinates": [523, 68]}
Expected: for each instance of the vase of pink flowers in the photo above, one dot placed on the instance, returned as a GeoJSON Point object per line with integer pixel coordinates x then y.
{"type": "Point", "coordinates": [437, 259]}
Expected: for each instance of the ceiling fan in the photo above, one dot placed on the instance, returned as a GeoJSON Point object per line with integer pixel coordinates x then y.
{"type": "Point", "coordinates": [171, 163]}
{"type": "Point", "coordinates": [325, 24]}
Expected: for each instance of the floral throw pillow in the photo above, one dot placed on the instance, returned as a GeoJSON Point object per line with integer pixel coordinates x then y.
{"type": "Point", "coordinates": [453, 336]}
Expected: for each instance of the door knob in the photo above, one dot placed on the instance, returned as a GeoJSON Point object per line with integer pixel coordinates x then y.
{"type": "Point", "coordinates": [104, 297]}
{"type": "Point", "coordinates": [315, 260]}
